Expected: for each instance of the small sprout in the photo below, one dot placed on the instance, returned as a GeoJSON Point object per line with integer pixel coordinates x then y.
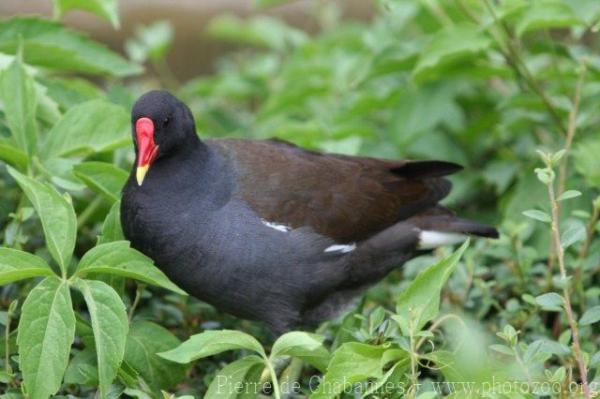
{"type": "Point", "coordinates": [559, 375]}
{"type": "Point", "coordinates": [557, 156]}
{"type": "Point", "coordinates": [546, 157]}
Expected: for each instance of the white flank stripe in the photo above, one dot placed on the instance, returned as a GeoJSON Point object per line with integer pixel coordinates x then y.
{"type": "Point", "coordinates": [279, 227]}
{"type": "Point", "coordinates": [434, 239]}
{"type": "Point", "coordinates": [341, 248]}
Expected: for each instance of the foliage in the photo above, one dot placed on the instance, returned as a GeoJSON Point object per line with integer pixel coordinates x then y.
{"type": "Point", "coordinates": [483, 83]}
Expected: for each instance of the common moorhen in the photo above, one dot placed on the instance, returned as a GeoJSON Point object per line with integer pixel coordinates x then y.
{"type": "Point", "coordinates": [269, 231]}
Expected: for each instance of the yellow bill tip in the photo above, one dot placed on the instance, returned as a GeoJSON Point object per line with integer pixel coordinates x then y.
{"type": "Point", "coordinates": [140, 173]}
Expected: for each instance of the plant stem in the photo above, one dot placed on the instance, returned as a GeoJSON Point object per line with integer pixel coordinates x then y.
{"type": "Point", "coordinates": [514, 60]}
{"type": "Point", "coordinates": [290, 375]}
{"type": "Point", "coordinates": [571, 129]}
{"type": "Point", "coordinates": [138, 295]}
{"type": "Point", "coordinates": [89, 211]}
{"type": "Point", "coordinates": [560, 255]}
{"type": "Point", "coordinates": [274, 380]}
{"type": "Point", "coordinates": [9, 370]}
{"type": "Point", "coordinates": [414, 378]}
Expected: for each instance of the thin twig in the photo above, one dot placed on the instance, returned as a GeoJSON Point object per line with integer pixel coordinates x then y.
{"type": "Point", "coordinates": [514, 60]}
{"type": "Point", "coordinates": [560, 255]}
{"type": "Point", "coordinates": [571, 129]}
{"type": "Point", "coordinates": [138, 295]}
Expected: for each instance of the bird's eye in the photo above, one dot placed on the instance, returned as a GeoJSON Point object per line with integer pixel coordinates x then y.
{"type": "Point", "coordinates": [166, 121]}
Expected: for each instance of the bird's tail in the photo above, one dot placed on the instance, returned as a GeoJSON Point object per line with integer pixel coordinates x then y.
{"type": "Point", "coordinates": [395, 245]}
{"type": "Point", "coordinates": [439, 226]}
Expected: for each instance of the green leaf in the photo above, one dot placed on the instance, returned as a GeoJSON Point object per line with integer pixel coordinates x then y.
{"type": "Point", "coordinates": [228, 383]}
{"type": "Point", "coordinates": [107, 9]}
{"type": "Point", "coordinates": [18, 265]}
{"type": "Point", "coordinates": [94, 126]}
{"type": "Point", "coordinates": [573, 233]}
{"type": "Point", "coordinates": [20, 102]}
{"type": "Point", "coordinates": [144, 341]}
{"type": "Point", "coordinates": [591, 316]}
{"type": "Point", "coordinates": [538, 215]}
{"type": "Point", "coordinates": [448, 46]}
{"type": "Point", "coordinates": [150, 42]}
{"type": "Point", "coordinates": [422, 297]}
{"type": "Point", "coordinates": [568, 195]}
{"type": "Point", "coordinates": [12, 155]}
{"type": "Point", "coordinates": [302, 345]}
{"type": "Point", "coordinates": [120, 259]}
{"type": "Point", "coordinates": [550, 301]}
{"type": "Point", "coordinates": [111, 228]}
{"type": "Point", "coordinates": [82, 369]}
{"type": "Point", "coordinates": [102, 178]}
{"type": "Point", "coordinates": [56, 214]}
{"type": "Point", "coordinates": [46, 332]}
{"type": "Point", "coordinates": [546, 14]}
{"type": "Point", "coordinates": [110, 326]}
{"type": "Point", "coordinates": [210, 343]}
{"type": "Point", "coordinates": [51, 45]}
{"type": "Point", "coordinates": [351, 363]}
{"type": "Point", "coordinates": [502, 349]}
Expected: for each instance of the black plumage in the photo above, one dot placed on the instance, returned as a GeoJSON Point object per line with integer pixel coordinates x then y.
{"type": "Point", "coordinates": [268, 231]}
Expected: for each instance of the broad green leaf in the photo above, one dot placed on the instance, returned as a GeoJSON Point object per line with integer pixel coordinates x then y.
{"type": "Point", "coordinates": [20, 102]}
{"type": "Point", "coordinates": [591, 316]}
{"type": "Point", "coordinates": [550, 301]}
{"type": "Point", "coordinates": [303, 345]}
{"type": "Point", "coordinates": [93, 126]}
{"type": "Point", "coordinates": [82, 369]}
{"type": "Point", "coordinates": [12, 155]}
{"type": "Point", "coordinates": [449, 46]}
{"type": "Point", "coordinates": [102, 178]}
{"type": "Point", "coordinates": [545, 14]}
{"type": "Point", "coordinates": [47, 109]}
{"type": "Point", "coordinates": [120, 259]}
{"type": "Point", "coordinates": [144, 341]}
{"type": "Point", "coordinates": [210, 343]}
{"type": "Point", "coordinates": [71, 91]}
{"type": "Point", "coordinates": [111, 228]}
{"type": "Point", "coordinates": [51, 45]}
{"type": "Point", "coordinates": [107, 9]}
{"type": "Point", "coordinates": [398, 367]}
{"type": "Point", "coordinates": [110, 326]}
{"type": "Point", "coordinates": [422, 297]}
{"type": "Point", "coordinates": [351, 363]}
{"type": "Point", "coordinates": [18, 265]}
{"type": "Point", "coordinates": [56, 214]}
{"type": "Point", "coordinates": [538, 215]}
{"type": "Point", "coordinates": [227, 382]}
{"type": "Point", "coordinates": [46, 332]}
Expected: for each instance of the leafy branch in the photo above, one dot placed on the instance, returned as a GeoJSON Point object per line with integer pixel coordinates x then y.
{"type": "Point", "coordinates": [547, 176]}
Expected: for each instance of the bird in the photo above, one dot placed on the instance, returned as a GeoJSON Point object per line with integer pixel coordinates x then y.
{"type": "Point", "coordinates": [268, 231]}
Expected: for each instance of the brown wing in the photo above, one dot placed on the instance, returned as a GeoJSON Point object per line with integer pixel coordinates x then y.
{"type": "Point", "coordinates": [343, 197]}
